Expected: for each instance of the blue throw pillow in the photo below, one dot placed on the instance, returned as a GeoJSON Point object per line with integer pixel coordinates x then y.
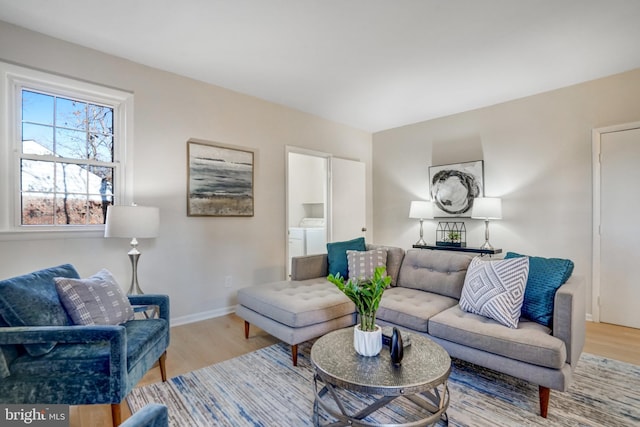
{"type": "Point", "coordinates": [32, 300]}
{"type": "Point", "coordinates": [546, 275]}
{"type": "Point", "coordinates": [337, 255]}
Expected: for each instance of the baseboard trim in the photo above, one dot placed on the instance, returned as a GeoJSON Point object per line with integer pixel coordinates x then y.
{"type": "Point", "coordinates": [204, 315]}
{"type": "Point", "coordinates": [589, 317]}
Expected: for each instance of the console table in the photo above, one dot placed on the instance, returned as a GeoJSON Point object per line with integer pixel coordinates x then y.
{"type": "Point", "coordinates": [460, 249]}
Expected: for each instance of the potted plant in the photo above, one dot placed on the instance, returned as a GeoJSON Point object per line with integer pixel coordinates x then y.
{"type": "Point", "coordinates": [366, 295]}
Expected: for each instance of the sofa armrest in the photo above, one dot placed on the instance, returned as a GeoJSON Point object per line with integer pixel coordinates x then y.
{"type": "Point", "coordinates": [309, 267]}
{"type": "Point", "coordinates": [569, 317]}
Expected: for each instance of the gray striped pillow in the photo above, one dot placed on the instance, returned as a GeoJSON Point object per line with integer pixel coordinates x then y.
{"type": "Point", "coordinates": [362, 264]}
{"type": "Point", "coordinates": [97, 300]}
{"type": "Point", "coordinates": [495, 289]}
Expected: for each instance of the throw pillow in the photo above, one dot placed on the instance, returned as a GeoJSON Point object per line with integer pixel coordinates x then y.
{"type": "Point", "coordinates": [362, 264]}
{"type": "Point", "coordinates": [337, 255]}
{"type": "Point", "coordinates": [32, 300]}
{"type": "Point", "coordinates": [97, 300]}
{"type": "Point", "coordinates": [546, 275]}
{"type": "Point", "coordinates": [495, 289]}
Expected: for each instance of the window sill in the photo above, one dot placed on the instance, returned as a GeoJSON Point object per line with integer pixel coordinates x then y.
{"type": "Point", "coordinates": [52, 234]}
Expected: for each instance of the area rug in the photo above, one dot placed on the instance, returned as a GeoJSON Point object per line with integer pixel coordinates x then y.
{"type": "Point", "coordinates": [262, 388]}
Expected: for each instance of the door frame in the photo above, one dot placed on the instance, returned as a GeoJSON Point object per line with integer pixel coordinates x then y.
{"type": "Point", "coordinates": [327, 202]}
{"type": "Point", "coordinates": [596, 143]}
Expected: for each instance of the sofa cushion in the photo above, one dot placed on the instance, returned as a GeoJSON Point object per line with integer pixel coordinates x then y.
{"type": "Point", "coordinates": [32, 300]}
{"type": "Point", "coordinates": [495, 289]}
{"type": "Point", "coordinates": [411, 308]}
{"type": "Point", "coordinates": [441, 272]}
{"type": "Point", "coordinates": [546, 275]}
{"type": "Point", "coordinates": [97, 300]}
{"type": "Point", "coordinates": [297, 303]}
{"type": "Point", "coordinates": [530, 342]}
{"type": "Point", "coordinates": [395, 256]}
{"type": "Point", "coordinates": [362, 264]}
{"type": "Point", "coordinates": [337, 255]}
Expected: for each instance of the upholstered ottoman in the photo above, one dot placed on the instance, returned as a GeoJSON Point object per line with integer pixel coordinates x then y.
{"type": "Point", "coordinates": [295, 311]}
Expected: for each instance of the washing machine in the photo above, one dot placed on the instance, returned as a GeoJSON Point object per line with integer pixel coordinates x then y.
{"type": "Point", "coordinates": [309, 238]}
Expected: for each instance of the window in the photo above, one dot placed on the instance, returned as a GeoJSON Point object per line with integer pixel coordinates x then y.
{"type": "Point", "coordinates": [69, 144]}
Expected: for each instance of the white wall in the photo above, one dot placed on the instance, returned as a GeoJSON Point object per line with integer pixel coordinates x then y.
{"type": "Point", "coordinates": [192, 256]}
{"type": "Point", "coordinates": [537, 157]}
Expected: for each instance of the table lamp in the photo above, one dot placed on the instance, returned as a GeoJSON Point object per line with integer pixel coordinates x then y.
{"type": "Point", "coordinates": [486, 208]}
{"type": "Point", "coordinates": [421, 210]}
{"type": "Point", "coordinates": [132, 222]}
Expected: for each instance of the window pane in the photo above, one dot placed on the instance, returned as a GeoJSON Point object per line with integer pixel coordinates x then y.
{"type": "Point", "coordinates": [37, 209]}
{"type": "Point", "coordinates": [37, 139]}
{"type": "Point", "coordinates": [101, 147]}
{"type": "Point", "coordinates": [104, 194]}
{"type": "Point", "coordinates": [100, 119]}
{"type": "Point", "coordinates": [71, 178]}
{"type": "Point", "coordinates": [71, 114]}
{"type": "Point", "coordinates": [71, 144]}
{"type": "Point", "coordinates": [71, 209]}
{"type": "Point", "coordinates": [37, 107]}
{"type": "Point", "coordinates": [96, 215]}
{"type": "Point", "coordinates": [36, 176]}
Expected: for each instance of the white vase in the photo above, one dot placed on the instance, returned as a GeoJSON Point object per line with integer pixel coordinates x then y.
{"type": "Point", "coordinates": [367, 343]}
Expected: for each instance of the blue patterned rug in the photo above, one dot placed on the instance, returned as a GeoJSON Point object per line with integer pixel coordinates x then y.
{"type": "Point", "coordinates": [262, 388]}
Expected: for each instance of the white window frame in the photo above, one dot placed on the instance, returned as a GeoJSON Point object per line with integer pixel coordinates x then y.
{"type": "Point", "coordinates": [14, 79]}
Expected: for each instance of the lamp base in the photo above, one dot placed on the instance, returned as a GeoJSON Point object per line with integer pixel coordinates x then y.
{"type": "Point", "coordinates": [487, 246]}
{"type": "Point", "coordinates": [421, 242]}
{"type": "Point", "coordinates": [134, 289]}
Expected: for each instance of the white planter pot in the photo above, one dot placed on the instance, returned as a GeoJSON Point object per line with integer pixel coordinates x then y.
{"type": "Point", "coordinates": [367, 343]}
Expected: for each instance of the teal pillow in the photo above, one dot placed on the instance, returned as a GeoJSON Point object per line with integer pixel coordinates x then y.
{"type": "Point", "coordinates": [32, 300]}
{"type": "Point", "coordinates": [337, 255]}
{"type": "Point", "coordinates": [546, 275]}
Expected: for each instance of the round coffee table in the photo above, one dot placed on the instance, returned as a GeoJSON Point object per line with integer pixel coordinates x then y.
{"type": "Point", "coordinates": [421, 378]}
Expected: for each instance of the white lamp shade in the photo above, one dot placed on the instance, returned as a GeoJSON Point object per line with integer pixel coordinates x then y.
{"type": "Point", "coordinates": [421, 209]}
{"type": "Point", "coordinates": [132, 222]}
{"type": "Point", "coordinates": [487, 208]}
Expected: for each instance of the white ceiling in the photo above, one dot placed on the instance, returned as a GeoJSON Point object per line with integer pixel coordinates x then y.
{"type": "Point", "coordinates": [371, 64]}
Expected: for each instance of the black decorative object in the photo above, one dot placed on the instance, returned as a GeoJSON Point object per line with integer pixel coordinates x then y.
{"type": "Point", "coordinates": [396, 347]}
{"type": "Point", "coordinates": [451, 234]}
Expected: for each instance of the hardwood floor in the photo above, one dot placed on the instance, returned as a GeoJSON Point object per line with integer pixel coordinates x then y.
{"type": "Point", "coordinates": [211, 341]}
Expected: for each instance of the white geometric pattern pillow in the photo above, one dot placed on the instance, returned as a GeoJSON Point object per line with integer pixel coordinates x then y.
{"type": "Point", "coordinates": [361, 264]}
{"type": "Point", "coordinates": [97, 300]}
{"type": "Point", "coordinates": [495, 289]}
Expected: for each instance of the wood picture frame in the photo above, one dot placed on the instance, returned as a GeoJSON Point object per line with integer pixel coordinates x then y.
{"type": "Point", "coordinates": [220, 179]}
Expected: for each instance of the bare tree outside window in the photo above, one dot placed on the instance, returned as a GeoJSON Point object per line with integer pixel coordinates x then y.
{"type": "Point", "coordinates": [67, 160]}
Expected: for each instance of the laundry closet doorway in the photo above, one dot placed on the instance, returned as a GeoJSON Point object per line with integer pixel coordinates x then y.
{"type": "Point", "coordinates": [325, 199]}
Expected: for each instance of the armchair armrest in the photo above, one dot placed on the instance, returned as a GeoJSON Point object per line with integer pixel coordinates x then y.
{"type": "Point", "coordinates": [569, 317]}
{"type": "Point", "coordinates": [162, 301]}
{"type": "Point", "coordinates": [114, 335]}
{"type": "Point", "coordinates": [309, 267]}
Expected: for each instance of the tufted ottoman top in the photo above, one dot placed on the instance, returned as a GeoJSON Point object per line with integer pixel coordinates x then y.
{"type": "Point", "coordinates": [297, 303]}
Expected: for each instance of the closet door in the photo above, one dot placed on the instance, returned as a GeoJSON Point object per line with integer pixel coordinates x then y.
{"type": "Point", "coordinates": [348, 199]}
{"type": "Point", "coordinates": [619, 227]}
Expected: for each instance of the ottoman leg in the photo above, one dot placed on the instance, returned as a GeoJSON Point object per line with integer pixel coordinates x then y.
{"type": "Point", "coordinates": [246, 329]}
{"type": "Point", "coordinates": [294, 354]}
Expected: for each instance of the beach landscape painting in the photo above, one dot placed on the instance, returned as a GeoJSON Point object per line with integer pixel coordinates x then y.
{"type": "Point", "coordinates": [220, 181]}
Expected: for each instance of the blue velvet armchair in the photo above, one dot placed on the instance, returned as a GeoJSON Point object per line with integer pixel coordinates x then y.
{"type": "Point", "coordinates": [45, 359]}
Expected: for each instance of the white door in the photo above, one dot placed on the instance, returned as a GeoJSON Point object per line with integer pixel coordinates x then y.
{"type": "Point", "coordinates": [348, 199]}
{"type": "Point", "coordinates": [620, 227]}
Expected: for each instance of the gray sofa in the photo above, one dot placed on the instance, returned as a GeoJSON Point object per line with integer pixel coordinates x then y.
{"type": "Point", "coordinates": [423, 298]}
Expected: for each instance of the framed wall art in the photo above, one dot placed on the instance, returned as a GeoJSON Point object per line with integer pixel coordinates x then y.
{"type": "Point", "coordinates": [453, 187]}
{"type": "Point", "coordinates": [220, 180]}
